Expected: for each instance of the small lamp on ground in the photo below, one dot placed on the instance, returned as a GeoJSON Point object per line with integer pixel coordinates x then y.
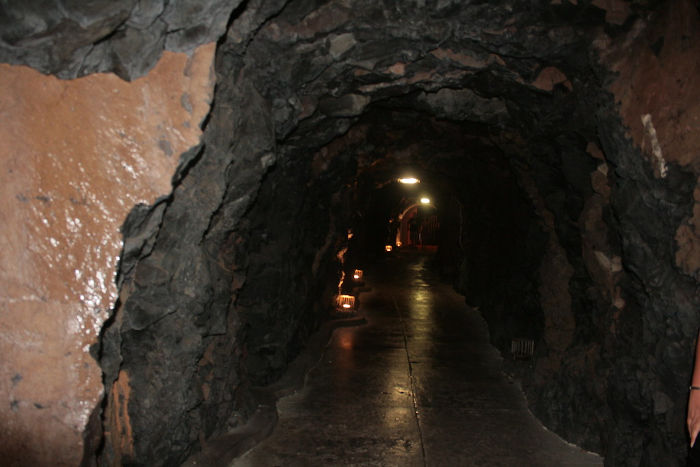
{"type": "Point", "coordinates": [345, 303]}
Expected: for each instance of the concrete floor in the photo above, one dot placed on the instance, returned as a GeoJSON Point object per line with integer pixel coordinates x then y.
{"type": "Point", "coordinates": [418, 385]}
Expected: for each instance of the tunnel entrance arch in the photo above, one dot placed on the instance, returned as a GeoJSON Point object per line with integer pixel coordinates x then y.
{"type": "Point", "coordinates": [418, 226]}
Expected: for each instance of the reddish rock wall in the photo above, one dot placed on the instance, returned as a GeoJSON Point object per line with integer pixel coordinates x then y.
{"type": "Point", "coordinates": [76, 157]}
{"type": "Point", "coordinates": [660, 103]}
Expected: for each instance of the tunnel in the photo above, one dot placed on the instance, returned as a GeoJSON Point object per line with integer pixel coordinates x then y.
{"type": "Point", "coordinates": [189, 185]}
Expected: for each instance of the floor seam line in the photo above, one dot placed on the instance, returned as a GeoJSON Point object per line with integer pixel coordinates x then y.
{"type": "Point", "coordinates": [411, 380]}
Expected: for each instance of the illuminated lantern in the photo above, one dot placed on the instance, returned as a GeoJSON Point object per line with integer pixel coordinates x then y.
{"type": "Point", "coordinates": [346, 302]}
{"type": "Point", "coordinates": [357, 275]}
{"type": "Point", "coordinates": [388, 248]}
{"type": "Point", "coordinates": [398, 242]}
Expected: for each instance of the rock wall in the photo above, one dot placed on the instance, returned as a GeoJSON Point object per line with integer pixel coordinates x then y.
{"type": "Point", "coordinates": [653, 203]}
{"type": "Point", "coordinates": [72, 39]}
{"type": "Point", "coordinates": [76, 156]}
{"type": "Point", "coordinates": [539, 124]}
{"type": "Point", "coordinates": [162, 353]}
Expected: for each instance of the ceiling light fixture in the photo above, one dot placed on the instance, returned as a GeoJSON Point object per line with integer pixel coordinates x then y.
{"type": "Point", "coordinates": [409, 180]}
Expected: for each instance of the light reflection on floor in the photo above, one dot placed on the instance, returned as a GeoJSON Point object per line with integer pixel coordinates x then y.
{"type": "Point", "coordinates": [422, 350]}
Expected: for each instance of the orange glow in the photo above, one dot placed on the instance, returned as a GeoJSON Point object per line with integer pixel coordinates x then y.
{"type": "Point", "coordinates": [341, 254]}
{"type": "Point", "coordinates": [388, 248]}
{"type": "Point", "coordinates": [398, 243]}
{"type": "Point", "coordinates": [345, 302]}
{"type": "Point", "coordinates": [346, 340]}
{"type": "Point", "coordinates": [358, 274]}
{"type": "Point", "coordinates": [342, 279]}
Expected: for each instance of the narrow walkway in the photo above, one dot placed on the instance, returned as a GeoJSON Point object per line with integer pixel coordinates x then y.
{"type": "Point", "coordinates": [418, 385]}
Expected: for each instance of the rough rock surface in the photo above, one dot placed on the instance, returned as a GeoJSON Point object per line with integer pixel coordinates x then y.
{"type": "Point", "coordinates": [572, 220]}
{"type": "Point", "coordinates": [72, 38]}
{"type": "Point", "coordinates": [76, 157]}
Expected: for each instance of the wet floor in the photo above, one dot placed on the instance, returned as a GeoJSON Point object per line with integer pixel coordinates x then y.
{"type": "Point", "coordinates": [418, 385]}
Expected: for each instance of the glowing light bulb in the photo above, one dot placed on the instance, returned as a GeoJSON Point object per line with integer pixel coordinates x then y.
{"type": "Point", "coordinates": [409, 180]}
{"type": "Point", "coordinates": [425, 200]}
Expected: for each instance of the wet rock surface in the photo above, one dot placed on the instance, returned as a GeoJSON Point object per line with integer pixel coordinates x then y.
{"type": "Point", "coordinates": [76, 156]}
{"type": "Point", "coordinates": [571, 220]}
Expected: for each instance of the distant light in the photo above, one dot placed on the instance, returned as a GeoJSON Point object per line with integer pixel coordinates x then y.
{"type": "Point", "coordinates": [425, 200]}
{"type": "Point", "coordinates": [346, 305]}
{"type": "Point", "coordinates": [398, 243]}
{"type": "Point", "coordinates": [357, 275]}
{"type": "Point", "coordinates": [409, 180]}
{"type": "Point", "coordinates": [388, 248]}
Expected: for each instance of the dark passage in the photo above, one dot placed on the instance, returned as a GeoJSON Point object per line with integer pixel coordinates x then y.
{"type": "Point", "coordinates": [418, 385]}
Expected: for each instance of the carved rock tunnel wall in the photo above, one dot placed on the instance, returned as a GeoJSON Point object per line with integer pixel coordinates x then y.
{"type": "Point", "coordinates": [560, 140]}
